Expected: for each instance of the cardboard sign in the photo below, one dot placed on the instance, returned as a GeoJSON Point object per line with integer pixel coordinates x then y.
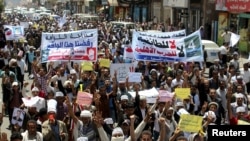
{"type": "Point", "coordinates": [165, 96]}
{"type": "Point", "coordinates": [241, 122]}
{"type": "Point", "coordinates": [84, 98]}
{"type": "Point", "coordinates": [105, 63]}
{"type": "Point", "coordinates": [150, 94]}
{"type": "Point", "coordinates": [122, 70]}
{"type": "Point", "coordinates": [190, 123]}
{"type": "Point", "coordinates": [182, 93]}
{"type": "Point", "coordinates": [30, 102]}
{"type": "Point", "coordinates": [134, 77]}
{"type": "Point", "coordinates": [87, 66]}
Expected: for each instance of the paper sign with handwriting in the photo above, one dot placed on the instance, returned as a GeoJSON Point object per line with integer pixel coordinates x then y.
{"type": "Point", "coordinates": [241, 122]}
{"type": "Point", "coordinates": [190, 123]}
{"type": "Point", "coordinates": [87, 66]}
{"type": "Point", "coordinates": [158, 47]}
{"type": "Point", "coordinates": [182, 93]}
{"type": "Point", "coordinates": [73, 45]}
{"type": "Point", "coordinates": [84, 98]}
{"type": "Point", "coordinates": [105, 63]}
{"type": "Point", "coordinates": [122, 70]}
{"type": "Point", "coordinates": [150, 94]}
{"type": "Point", "coordinates": [30, 102]}
{"type": "Point", "coordinates": [165, 96]}
{"type": "Point", "coordinates": [134, 77]}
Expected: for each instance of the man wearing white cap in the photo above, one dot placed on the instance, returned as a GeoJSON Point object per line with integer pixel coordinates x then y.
{"type": "Point", "coordinates": [122, 90]}
{"type": "Point", "coordinates": [62, 109]}
{"type": "Point", "coordinates": [41, 101]}
{"type": "Point", "coordinates": [74, 78]}
{"type": "Point", "coordinates": [240, 109]}
{"type": "Point", "coordinates": [141, 107]}
{"type": "Point", "coordinates": [52, 129]}
{"type": "Point", "coordinates": [235, 61]}
{"type": "Point", "coordinates": [238, 103]}
{"type": "Point", "coordinates": [215, 66]}
{"type": "Point", "coordinates": [16, 69]}
{"type": "Point", "coordinates": [83, 127]}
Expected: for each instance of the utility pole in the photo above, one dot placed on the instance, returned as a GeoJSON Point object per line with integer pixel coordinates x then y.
{"type": "Point", "coordinates": [188, 18]}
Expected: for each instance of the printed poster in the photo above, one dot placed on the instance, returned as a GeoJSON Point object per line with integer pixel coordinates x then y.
{"type": "Point", "coordinates": [128, 51]}
{"type": "Point", "coordinates": [74, 45]}
{"type": "Point", "coordinates": [159, 47]}
{"type": "Point", "coordinates": [13, 32]}
{"type": "Point", "coordinates": [17, 117]}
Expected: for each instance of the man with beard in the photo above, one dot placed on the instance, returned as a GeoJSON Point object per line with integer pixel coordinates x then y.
{"type": "Point", "coordinates": [53, 129]}
{"type": "Point", "coordinates": [240, 111]}
{"type": "Point", "coordinates": [61, 108]}
{"type": "Point", "coordinates": [31, 133]}
{"type": "Point", "coordinates": [83, 125]}
{"type": "Point", "coordinates": [16, 69]}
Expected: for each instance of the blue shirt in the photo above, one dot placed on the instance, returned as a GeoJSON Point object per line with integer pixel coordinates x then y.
{"type": "Point", "coordinates": [31, 56]}
{"type": "Point", "coordinates": [55, 128]}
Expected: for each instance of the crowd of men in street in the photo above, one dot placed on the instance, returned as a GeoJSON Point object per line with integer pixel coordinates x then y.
{"type": "Point", "coordinates": [114, 114]}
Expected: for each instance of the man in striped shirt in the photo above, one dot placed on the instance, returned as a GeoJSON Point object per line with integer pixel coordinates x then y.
{"type": "Point", "coordinates": [41, 77]}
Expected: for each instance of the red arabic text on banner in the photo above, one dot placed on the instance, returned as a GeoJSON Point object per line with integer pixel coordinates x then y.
{"type": "Point", "coordinates": [84, 98]}
{"type": "Point", "coordinates": [238, 6]}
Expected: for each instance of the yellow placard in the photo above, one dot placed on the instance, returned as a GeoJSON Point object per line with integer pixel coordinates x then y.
{"type": "Point", "coordinates": [182, 93]}
{"type": "Point", "coordinates": [241, 122]}
{"type": "Point", "coordinates": [87, 66]}
{"type": "Point", "coordinates": [105, 63]}
{"type": "Point", "coordinates": [190, 123]}
{"type": "Point", "coordinates": [81, 87]}
{"type": "Point", "coordinates": [42, 27]}
{"type": "Point", "coordinates": [35, 26]}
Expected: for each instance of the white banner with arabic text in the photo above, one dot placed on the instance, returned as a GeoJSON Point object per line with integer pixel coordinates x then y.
{"type": "Point", "coordinates": [128, 51]}
{"type": "Point", "coordinates": [74, 45]}
{"type": "Point", "coordinates": [159, 48]}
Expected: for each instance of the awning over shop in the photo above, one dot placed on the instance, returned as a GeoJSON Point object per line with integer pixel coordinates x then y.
{"type": "Point", "coordinates": [113, 2]}
{"type": "Point", "coordinates": [244, 15]}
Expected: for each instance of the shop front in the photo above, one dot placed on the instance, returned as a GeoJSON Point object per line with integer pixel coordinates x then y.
{"type": "Point", "coordinates": [234, 16]}
{"type": "Point", "coordinates": [137, 10]}
{"type": "Point", "coordinates": [244, 32]}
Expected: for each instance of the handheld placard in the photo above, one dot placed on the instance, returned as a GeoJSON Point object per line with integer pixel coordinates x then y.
{"type": "Point", "coordinates": [81, 87]}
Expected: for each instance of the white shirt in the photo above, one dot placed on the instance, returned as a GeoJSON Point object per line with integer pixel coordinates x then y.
{"type": "Point", "coordinates": [22, 65]}
{"type": "Point", "coordinates": [175, 82]}
{"type": "Point", "coordinates": [222, 95]}
{"type": "Point", "coordinates": [234, 106]}
{"type": "Point", "coordinates": [56, 77]}
{"type": "Point", "coordinates": [223, 50]}
{"type": "Point", "coordinates": [39, 136]}
{"type": "Point", "coordinates": [245, 75]}
{"type": "Point", "coordinates": [156, 121]}
{"type": "Point", "coordinates": [143, 113]}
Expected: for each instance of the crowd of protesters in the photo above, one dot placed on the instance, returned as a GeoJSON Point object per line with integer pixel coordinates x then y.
{"type": "Point", "coordinates": [221, 98]}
